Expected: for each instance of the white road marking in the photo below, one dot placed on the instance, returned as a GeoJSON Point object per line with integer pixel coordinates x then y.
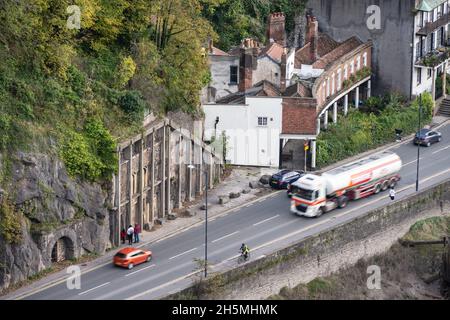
{"type": "Point", "coordinates": [280, 239]}
{"type": "Point", "coordinates": [102, 285]}
{"type": "Point", "coordinates": [411, 162]}
{"type": "Point", "coordinates": [441, 150]}
{"type": "Point", "coordinates": [228, 235]}
{"type": "Point", "coordinates": [178, 255]}
{"type": "Point", "coordinates": [161, 286]}
{"type": "Point", "coordinates": [258, 223]}
{"type": "Point", "coordinates": [127, 275]}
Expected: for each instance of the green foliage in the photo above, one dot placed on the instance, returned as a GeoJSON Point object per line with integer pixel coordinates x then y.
{"type": "Point", "coordinates": [90, 155]}
{"type": "Point", "coordinates": [132, 104]}
{"type": "Point", "coordinates": [10, 222]}
{"type": "Point", "coordinates": [360, 131]}
{"type": "Point", "coordinates": [238, 19]}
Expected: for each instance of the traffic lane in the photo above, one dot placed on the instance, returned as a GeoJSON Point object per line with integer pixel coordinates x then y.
{"type": "Point", "coordinates": [174, 245]}
{"type": "Point", "coordinates": [216, 253]}
{"type": "Point", "coordinates": [257, 210]}
{"type": "Point", "coordinates": [335, 219]}
{"type": "Point", "coordinates": [408, 150]}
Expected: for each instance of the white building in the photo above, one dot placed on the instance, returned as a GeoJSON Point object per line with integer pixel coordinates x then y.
{"type": "Point", "coordinates": [252, 128]}
{"type": "Point", "coordinates": [431, 32]}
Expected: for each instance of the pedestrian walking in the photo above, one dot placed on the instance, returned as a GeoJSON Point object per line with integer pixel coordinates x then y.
{"type": "Point", "coordinates": [137, 231]}
{"type": "Point", "coordinates": [392, 193]}
{"type": "Point", "coordinates": [123, 235]}
{"type": "Point", "coordinates": [130, 233]}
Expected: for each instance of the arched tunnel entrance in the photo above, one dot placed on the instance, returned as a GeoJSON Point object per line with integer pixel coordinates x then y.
{"type": "Point", "coordinates": [63, 249]}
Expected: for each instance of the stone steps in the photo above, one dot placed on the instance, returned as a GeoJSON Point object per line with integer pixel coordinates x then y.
{"type": "Point", "coordinates": [444, 109]}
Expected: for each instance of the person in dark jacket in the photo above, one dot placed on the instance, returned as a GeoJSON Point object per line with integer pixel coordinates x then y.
{"type": "Point", "coordinates": [130, 233]}
{"type": "Point", "coordinates": [123, 235]}
{"type": "Point", "coordinates": [137, 231]}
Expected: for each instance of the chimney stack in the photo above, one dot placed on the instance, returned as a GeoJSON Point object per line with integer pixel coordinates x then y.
{"type": "Point", "coordinates": [283, 73]}
{"type": "Point", "coordinates": [276, 28]}
{"type": "Point", "coordinates": [313, 37]}
{"type": "Point", "coordinates": [247, 63]}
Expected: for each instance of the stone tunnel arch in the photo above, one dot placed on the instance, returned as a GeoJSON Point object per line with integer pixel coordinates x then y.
{"type": "Point", "coordinates": [63, 249]}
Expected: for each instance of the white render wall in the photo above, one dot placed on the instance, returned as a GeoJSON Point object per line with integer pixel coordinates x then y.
{"type": "Point", "coordinates": [248, 143]}
{"type": "Point", "coordinates": [220, 75]}
{"type": "Point", "coordinates": [267, 69]}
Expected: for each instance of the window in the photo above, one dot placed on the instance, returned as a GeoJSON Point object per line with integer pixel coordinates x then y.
{"type": "Point", "coordinates": [365, 59]}
{"type": "Point", "coordinates": [352, 67]}
{"type": "Point", "coordinates": [345, 72]}
{"type": "Point", "coordinates": [262, 121]}
{"type": "Point", "coordinates": [332, 83]}
{"type": "Point", "coordinates": [328, 87]}
{"type": "Point", "coordinates": [358, 63]}
{"type": "Point", "coordinates": [419, 76]}
{"type": "Point", "coordinates": [430, 73]}
{"type": "Point", "coordinates": [339, 80]}
{"type": "Point", "coordinates": [233, 74]}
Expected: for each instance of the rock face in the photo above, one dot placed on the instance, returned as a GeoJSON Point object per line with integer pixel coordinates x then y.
{"type": "Point", "coordinates": [62, 218]}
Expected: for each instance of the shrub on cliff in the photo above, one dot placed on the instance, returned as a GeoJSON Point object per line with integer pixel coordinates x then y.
{"type": "Point", "coordinates": [90, 154]}
{"type": "Point", "coordinates": [10, 223]}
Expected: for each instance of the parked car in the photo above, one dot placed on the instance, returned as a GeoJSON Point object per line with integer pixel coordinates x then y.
{"type": "Point", "coordinates": [282, 179]}
{"type": "Point", "coordinates": [130, 257]}
{"type": "Point", "coordinates": [427, 137]}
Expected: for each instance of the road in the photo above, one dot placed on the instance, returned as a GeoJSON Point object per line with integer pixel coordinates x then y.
{"type": "Point", "coordinates": [265, 226]}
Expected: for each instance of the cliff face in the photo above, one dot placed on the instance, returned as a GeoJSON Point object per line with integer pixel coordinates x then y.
{"type": "Point", "coordinates": [60, 218]}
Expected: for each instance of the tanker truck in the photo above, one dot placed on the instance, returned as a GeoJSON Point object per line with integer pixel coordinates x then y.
{"type": "Point", "coordinates": [313, 195]}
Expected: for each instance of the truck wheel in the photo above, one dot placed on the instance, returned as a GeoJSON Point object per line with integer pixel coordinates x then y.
{"type": "Point", "coordinates": [392, 183]}
{"type": "Point", "coordinates": [384, 186]}
{"type": "Point", "coordinates": [342, 202]}
{"type": "Point", "coordinates": [377, 189]}
{"type": "Point", "coordinates": [319, 212]}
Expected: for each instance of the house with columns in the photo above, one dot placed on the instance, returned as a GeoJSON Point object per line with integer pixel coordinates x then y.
{"type": "Point", "coordinates": [410, 46]}
{"type": "Point", "coordinates": [316, 82]}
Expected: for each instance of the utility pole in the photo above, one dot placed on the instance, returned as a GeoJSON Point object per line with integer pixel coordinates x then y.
{"type": "Point", "coordinates": [206, 222]}
{"type": "Point", "coordinates": [418, 144]}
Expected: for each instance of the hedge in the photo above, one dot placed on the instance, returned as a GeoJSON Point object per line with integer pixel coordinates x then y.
{"type": "Point", "coordinates": [361, 131]}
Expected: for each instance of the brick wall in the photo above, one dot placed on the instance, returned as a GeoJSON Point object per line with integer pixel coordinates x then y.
{"type": "Point", "coordinates": [299, 116]}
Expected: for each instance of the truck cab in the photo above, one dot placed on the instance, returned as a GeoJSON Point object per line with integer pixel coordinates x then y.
{"type": "Point", "coordinates": [308, 196]}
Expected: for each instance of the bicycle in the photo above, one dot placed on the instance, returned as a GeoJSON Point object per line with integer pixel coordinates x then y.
{"type": "Point", "coordinates": [243, 258]}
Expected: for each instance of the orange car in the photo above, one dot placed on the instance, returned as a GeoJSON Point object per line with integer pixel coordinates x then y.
{"type": "Point", "coordinates": [130, 257]}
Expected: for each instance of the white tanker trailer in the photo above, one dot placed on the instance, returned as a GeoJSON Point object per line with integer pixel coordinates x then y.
{"type": "Point", "coordinates": [313, 195]}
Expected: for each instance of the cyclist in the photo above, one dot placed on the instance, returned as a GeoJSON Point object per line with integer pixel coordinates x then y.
{"type": "Point", "coordinates": [245, 250]}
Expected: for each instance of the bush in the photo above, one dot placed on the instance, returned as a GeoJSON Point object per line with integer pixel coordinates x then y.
{"type": "Point", "coordinates": [132, 104]}
{"type": "Point", "coordinates": [361, 131]}
{"type": "Point", "coordinates": [91, 155]}
{"type": "Point", "coordinates": [10, 223]}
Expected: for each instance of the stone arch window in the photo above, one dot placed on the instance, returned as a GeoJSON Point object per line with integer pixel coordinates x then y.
{"type": "Point", "coordinates": [333, 81]}
{"type": "Point", "coordinates": [328, 87]}
{"type": "Point", "coordinates": [145, 173]}
{"type": "Point", "coordinates": [339, 79]}
{"type": "Point", "coordinates": [63, 249]}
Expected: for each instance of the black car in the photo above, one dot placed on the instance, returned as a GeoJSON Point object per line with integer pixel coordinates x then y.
{"type": "Point", "coordinates": [280, 180]}
{"type": "Point", "coordinates": [427, 137]}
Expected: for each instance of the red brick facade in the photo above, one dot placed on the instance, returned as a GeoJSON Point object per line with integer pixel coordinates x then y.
{"type": "Point", "coordinates": [299, 116]}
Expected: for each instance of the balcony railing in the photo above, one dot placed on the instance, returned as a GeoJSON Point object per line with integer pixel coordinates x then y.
{"type": "Point", "coordinates": [433, 26]}
{"type": "Point", "coordinates": [434, 58]}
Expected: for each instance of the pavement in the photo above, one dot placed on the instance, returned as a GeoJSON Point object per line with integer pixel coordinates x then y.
{"type": "Point", "coordinates": [264, 223]}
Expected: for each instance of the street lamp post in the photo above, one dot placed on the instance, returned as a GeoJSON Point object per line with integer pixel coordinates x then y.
{"type": "Point", "coordinates": [418, 143]}
{"type": "Point", "coordinates": [206, 216]}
